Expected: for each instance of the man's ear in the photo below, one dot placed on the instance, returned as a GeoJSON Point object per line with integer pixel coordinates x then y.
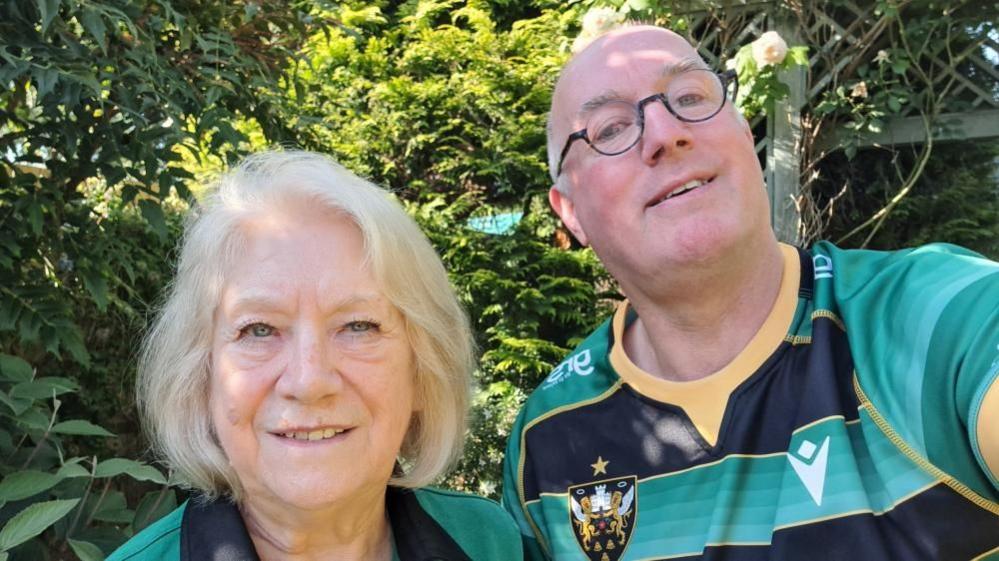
{"type": "Point", "coordinates": [562, 204]}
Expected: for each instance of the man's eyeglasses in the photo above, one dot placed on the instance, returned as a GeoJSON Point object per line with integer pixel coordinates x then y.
{"type": "Point", "coordinates": [692, 96]}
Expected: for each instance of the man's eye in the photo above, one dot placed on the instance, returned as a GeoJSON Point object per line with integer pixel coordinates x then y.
{"type": "Point", "coordinates": [689, 99]}
{"type": "Point", "coordinates": [611, 130]}
{"type": "Point", "coordinates": [257, 330]}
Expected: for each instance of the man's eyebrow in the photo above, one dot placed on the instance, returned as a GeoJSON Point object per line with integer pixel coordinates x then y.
{"type": "Point", "coordinates": [596, 102]}
{"type": "Point", "coordinates": [671, 70]}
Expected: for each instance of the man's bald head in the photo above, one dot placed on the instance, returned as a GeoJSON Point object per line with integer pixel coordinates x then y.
{"type": "Point", "coordinates": [614, 49]}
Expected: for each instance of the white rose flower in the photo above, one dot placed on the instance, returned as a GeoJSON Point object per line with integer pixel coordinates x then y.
{"type": "Point", "coordinates": [598, 20]}
{"type": "Point", "coordinates": [859, 90]}
{"type": "Point", "coordinates": [770, 48]}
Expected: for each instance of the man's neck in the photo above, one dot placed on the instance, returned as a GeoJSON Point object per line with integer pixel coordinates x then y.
{"type": "Point", "coordinates": [697, 324]}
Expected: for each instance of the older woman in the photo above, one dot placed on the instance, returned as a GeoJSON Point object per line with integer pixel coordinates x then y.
{"type": "Point", "coordinates": [308, 375]}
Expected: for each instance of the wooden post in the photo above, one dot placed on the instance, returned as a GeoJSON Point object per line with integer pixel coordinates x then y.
{"type": "Point", "coordinates": [783, 155]}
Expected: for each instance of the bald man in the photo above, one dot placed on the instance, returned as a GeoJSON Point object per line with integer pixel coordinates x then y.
{"type": "Point", "coordinates": [749, 400]}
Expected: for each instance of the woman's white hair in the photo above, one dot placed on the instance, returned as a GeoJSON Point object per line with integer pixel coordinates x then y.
{"type": "Point", "coordinates": [174, 367]}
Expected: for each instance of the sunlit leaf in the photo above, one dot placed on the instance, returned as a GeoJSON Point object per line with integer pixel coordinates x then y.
{"type": "Point", "coordinates": [137, 470]}
{"type": "Point", "coordinates": [26, 483]}
{"type": "Point", "coordinates": [33, 521]}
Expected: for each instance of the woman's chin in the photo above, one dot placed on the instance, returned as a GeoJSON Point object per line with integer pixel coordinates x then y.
{"type": "Point", "coordinates": [313, 488]}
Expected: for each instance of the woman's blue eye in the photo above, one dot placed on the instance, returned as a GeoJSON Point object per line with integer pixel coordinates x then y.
{"type": "Point", "coordinates": [361, 326]}
{"type": "Point", "coordinates": [259, 330]}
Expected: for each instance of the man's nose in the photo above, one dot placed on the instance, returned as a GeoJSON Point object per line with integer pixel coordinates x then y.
{"type": "Point", "coordinates": [312, 371]}
{"type": "Point", "coordinates": [664, 133]}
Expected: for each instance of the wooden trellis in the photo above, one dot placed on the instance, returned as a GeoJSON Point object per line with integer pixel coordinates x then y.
{"type": "Point", "coordinates": [969, 110]}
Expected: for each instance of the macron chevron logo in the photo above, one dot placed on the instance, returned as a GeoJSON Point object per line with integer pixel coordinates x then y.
{"type": "Point", "coordinates": [810, 465]}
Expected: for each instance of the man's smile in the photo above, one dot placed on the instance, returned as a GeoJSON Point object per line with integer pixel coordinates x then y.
{"type": "Point", "coordinates": [677, 190]}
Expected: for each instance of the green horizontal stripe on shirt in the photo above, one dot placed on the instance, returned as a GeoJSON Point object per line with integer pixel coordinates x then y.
{"type": "Point", "coordinates": [744, 499]}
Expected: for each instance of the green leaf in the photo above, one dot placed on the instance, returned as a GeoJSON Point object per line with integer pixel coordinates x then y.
{"type": "Point", "coordinates": [28, 483]}
{"type": "Point", "coordinates": [72, 468]}
{"type": "Point", "coordinates": [43, 388]}
{"type": "Point", "coordinates": [10, 403]}
{"type": "Point", "coordinates": [112, 508]}
{"type": "Point", "coordinates": [49, 10]}
{"type": "Point", "coordinates": [86, 551]}
{"type": "Point", "coordinates": [94, 24]}
{"type": "Point", "coordinates": [45, 81]}
{"type": "Point", "coordinates": [798, 56]}
{"type": "Point", "coordinates": [81, 427]}
{"type": "Point", "coordinates": [97, 286]}
{"type": "Point", "coordinates": [137, 470]}
{"type": "Point", "coordinates": [116, 516]}
{"type": "Point", "coordinates": [153, 213]}
{"type": "Point", "coordinates": [72, 341]}
{"type": "Point", "coordinates": [17, 405]}
{"type": "Point", "coordinates": [33, 521]}
{"type": "Point", "coordinates": [153, 506]}
{"type": "Point", "coordinates": [32, 418]}
{"type": "Point", "coordinates": [14, 368]}
{"type": "Point", "coordinates": [35, 217]}
{"type": "Point", "coordinates": [250, 10]}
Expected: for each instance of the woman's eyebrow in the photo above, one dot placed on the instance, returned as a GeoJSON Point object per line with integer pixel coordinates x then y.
{"type": "Point", "coordinates": [268, 301]}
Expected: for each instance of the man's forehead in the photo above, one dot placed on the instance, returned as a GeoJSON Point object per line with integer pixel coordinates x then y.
{"type": "Point", "coordinates": [619, 60]}
{"type": "Point", "coordinates": [631, 45]}
{"type": "Point", "coordinates": [661, 75]}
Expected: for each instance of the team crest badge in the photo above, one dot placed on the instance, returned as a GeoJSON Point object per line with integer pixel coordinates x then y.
{"type": "Point", "coordinates": [602, 514]}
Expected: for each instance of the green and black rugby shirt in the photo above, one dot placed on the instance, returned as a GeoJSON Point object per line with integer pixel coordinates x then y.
{"type": "Point", "coordinates": [860, 423]}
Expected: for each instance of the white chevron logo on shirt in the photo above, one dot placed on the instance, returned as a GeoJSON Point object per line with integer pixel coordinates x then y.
{"type": "Point", "coordinates": [812, 470]}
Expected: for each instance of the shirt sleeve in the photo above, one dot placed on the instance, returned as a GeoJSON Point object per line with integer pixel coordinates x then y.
{"type": "Point", "coordinates": [980, 399]}
{"type": "Point", "coordinates": [923, 326]}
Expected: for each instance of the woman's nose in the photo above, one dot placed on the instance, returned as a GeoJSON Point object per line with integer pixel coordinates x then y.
{"type": "Point", "coordinates": [311, 373]}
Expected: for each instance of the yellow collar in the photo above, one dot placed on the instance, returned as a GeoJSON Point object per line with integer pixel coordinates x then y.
{"type": "Point", "coordinates": [705, 400]}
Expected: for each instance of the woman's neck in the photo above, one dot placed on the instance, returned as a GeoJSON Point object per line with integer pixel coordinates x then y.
{"type": "Point", "coordinates": [358, 530]}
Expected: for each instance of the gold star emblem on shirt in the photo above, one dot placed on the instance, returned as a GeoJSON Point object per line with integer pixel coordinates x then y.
{"type": "Point", "coordinates": [600, 466]}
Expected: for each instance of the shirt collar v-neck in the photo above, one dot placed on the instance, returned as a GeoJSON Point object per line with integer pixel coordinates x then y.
{"type": "Point", "coordinates": [705, 400]}
{"type": "Point", "coordinates": [214, 531]}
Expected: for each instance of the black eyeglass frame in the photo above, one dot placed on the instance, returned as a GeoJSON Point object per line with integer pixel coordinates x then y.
{"type": "Point", "coordinates": [726, 78]}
